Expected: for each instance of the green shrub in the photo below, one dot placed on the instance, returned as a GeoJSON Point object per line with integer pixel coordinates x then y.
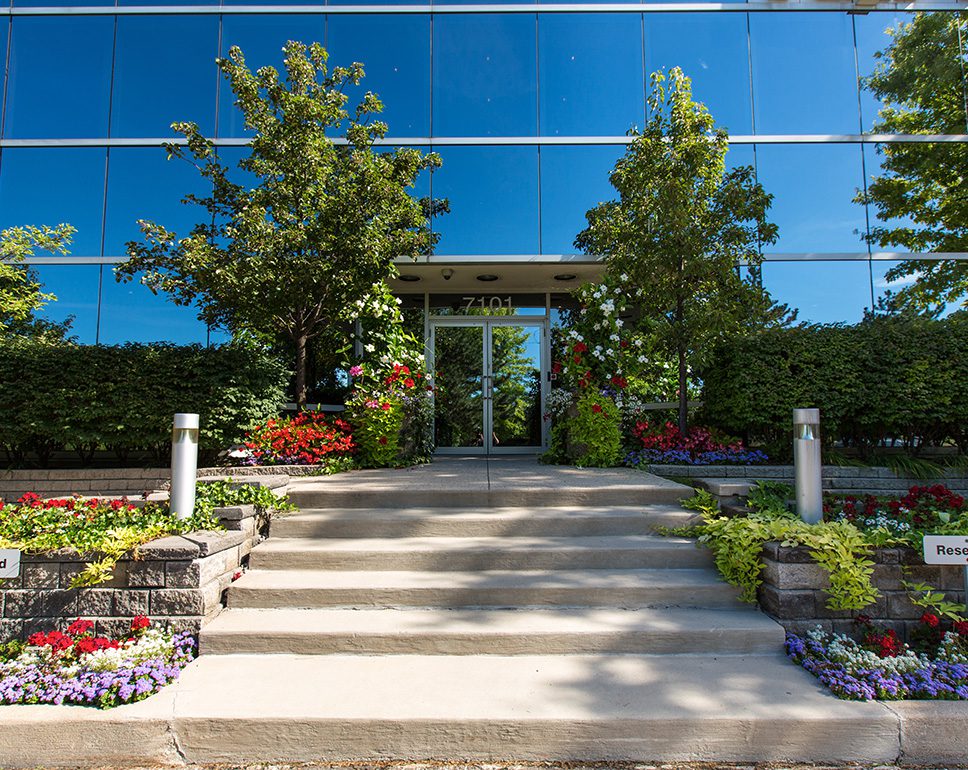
{"type": "Point", "coordinates": [595, 432]}
{"type": "Point", "coordinates": [884, 378]}
{"type": "Point", "coordinates": [89, 397]}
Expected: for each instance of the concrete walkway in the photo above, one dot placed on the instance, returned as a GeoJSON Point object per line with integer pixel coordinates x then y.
{"type": "Point", "coordinates": [410, 618]}
{"type": "Point", "coordinates": [501, 481]}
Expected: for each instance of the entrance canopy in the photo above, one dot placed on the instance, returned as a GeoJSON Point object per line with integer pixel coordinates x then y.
{"type": "Point", "coordinates": [522, 273]}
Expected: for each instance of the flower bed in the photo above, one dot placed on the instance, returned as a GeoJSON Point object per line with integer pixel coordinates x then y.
{"type": "Point", "coordinates": [76, 667]}
{"type": "Point", "coordinates": [935, 509]}
{"type": "Point", "coordinates": [110, 528]}
{"type": "Point", "coordinates": [309, 438]}
{"type": "Point", "coordinates": [879, 666]}
{"type": "Point", "coordinates": [698, 446]}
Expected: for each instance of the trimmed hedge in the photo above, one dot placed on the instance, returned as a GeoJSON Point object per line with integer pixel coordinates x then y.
{"type": "Point", "coordinates": [884, 378]}
{"type": "Point", "coordinates": [91, 397]}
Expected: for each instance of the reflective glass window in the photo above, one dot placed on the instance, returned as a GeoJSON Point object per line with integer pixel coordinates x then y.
{"type": "Point", "coordinates": [50, 185]}
{"type": "Point", "coordinates": [712, 49]}
{"type": "Point", "coordinates": [822, 292]}
{"type": "Point", "coordinates": [261, 38]}
{"type": "Point", "coordinates": [484, 75]}
{"type": "Point", "coordinates": [584, 93]}
{"type": "Point", "coordinates": [167, 2]}
{"type": "Point", "coordinates": [53, 3]}
{"type": "Point", "coordinates": [813, 187]}
{"type": "Point", "coordinates": [59, 77]}
{"type": "Point", "coordinates": [76, 289]}
{"type": "Point", "coordinates": [493, 194]}
{"type": "Point", "coordinates": [873, 160]}
{"type": "Point", "coordinates": [131, 313]}
{"type": "Point", "coordinates": [183, 51]}
{"type": "Point", "coordinates": [872, 38]}
{"type": "Point", "coordinates": [804, 77]}
{"type": "Point", "coordinates": [143, 184]}
{"type": "Point", "coordinates": [573, 180]}
{"type": "Point", "coordinates": [4, 35]}
{"type": "Point", "coordinates": [395, 52]}
{"type": "Point", "coordinates": [740, 155]}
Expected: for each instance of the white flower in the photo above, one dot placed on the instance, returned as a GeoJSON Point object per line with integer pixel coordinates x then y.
{"type": "Point", "coordinates": [642, 359]}
{"type": "Point", "coordinates": [619, 323]}
{"type": "Point", "coordinates": [369, 348]}
{"type": "Point", "coordinates": [614, 338]}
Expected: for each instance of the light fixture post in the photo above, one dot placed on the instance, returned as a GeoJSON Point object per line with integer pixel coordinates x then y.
{"type": "Point", "coordinates": [807, 464]}
{"type": "Point", "coordinates": [184, 464]}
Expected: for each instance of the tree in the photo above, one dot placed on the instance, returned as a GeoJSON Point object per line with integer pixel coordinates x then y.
{"type": "Point", "coordinates": [680, 228]}
{"type": "Point", "coordinates": [290, 256]}
{"type": "Point", "coordinates": [20, 293]}
{"type": "Point", "coordinates": [920, 194]}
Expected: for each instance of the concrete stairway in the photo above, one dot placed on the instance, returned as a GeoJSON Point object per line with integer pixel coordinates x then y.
{"type": "Point", "coordinates": [472, 581]}
{"type": "Point", "coordinates": [402, 627]}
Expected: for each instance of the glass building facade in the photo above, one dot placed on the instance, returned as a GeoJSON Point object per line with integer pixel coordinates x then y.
{"type": "Point", "coordinates": [527, 105]}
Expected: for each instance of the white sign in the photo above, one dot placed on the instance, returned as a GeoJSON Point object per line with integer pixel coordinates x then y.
{"type": "Point", "coordinates": [946, 549]}
{"type": "Point", "coordinates": [9, 564]}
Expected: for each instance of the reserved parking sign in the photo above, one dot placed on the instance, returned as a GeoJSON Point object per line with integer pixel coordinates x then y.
{"type": "Point", "coordinates": [946, 549]}
{"type": "Point", "coordinates": [9, 563]}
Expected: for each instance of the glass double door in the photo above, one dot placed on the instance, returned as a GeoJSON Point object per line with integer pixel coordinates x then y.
{"type": "Point", "coordinates": [490, 380]}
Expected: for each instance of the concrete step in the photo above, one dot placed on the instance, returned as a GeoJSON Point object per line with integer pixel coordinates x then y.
{"type": "Point", "coordinates": [561, 588]}
{"type": "Point", "coordinates": [668, 708]}
{"type": "Point", "coordinates": [562, 521]}
{"type": "Point", "coordinates": [491, 632]}
{"type": "Point", "coordinates": [479, 553]}
{"type": "Point", "coordinates": [495, 497]}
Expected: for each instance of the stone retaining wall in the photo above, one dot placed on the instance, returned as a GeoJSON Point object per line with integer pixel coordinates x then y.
{"type": "Point", "coordinates": [836, 478]}
{"type": "Point", "coordinates": [792, 590]}
{"type": "Point", "coordinates": [178, 579]}
{"type": "Point", "coordinates": [115, 482]}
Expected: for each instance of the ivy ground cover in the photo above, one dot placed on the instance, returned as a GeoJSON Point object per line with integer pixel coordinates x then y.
{"type": "Point", "coordinates": [77, 667]}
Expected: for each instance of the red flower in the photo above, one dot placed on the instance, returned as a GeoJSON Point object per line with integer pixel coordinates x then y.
{"type": "Point", "coordinates": [385, 406]}
{"type": "Point", "coordinates": [580, 347]}
{"type": "Point", "coordinates": [596, 408]}
{"type": "Point", "coordinates": [929, 619]}
{"type": "Point", "coordinates": [139, 622]}
{"type": "Point", "coordinates": [555, 369]}
{"type": "Point", "coordinates": [79, 627]}
{"type": "Point", "coordinates": [577, 358]}
{"type": "Point", "coordinates": [409, 382]}
{"type": "Point", "coordinates": [85, 646]}
{"type": "Point", "coordinates": [960, 627]}
{"type": "Point", "coordinates": [37, 640]}
{"type": "Point", "coordinates": [383, 440]}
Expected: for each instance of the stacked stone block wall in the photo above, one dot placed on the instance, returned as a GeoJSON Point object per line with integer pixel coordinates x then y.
{"type": "Point", "coordinates": [117, 482]}
{"type": "Point", "coordinates": [836, 478]}
{"type": "Point", "coordinates": [793, 589]}
{"type": "Point", "coordinates": [178, 580]}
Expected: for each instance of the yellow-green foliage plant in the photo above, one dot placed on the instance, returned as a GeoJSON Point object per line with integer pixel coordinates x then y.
{"type": "Point", "coordinates": [737, 542]}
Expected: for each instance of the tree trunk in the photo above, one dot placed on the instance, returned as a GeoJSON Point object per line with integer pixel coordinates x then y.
{"type": "Point", "coordinates": [681, 350]}
{"type": "Point", "coordinates": [683, 391]}
{"type": "Point", "coordinates": [301, 371]}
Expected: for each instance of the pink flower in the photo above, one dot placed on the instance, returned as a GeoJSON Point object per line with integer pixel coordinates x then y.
{"type": "Point", "coordinates": [356, 371]}
{"type": "Point", "coordinates": [371, 404]}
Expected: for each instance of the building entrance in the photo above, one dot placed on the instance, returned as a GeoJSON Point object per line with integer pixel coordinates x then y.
{"type": "Point", "coordinates": [491, 375]}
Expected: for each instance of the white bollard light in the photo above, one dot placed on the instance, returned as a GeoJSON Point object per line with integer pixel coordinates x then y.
{"type": "Point", "coordinates": [184, 464]}
{"type": "Point", "coordinates": [807, 464]}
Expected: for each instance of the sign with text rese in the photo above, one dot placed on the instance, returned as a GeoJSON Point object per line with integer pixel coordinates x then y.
{"type": "Point", "coordinates": [946, 549]}
{"type": "Point", "coordinates": [9, 563]}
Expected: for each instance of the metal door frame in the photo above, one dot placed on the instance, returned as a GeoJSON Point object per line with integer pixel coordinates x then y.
{"type": "Point", "coordinates": [487, 323]}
